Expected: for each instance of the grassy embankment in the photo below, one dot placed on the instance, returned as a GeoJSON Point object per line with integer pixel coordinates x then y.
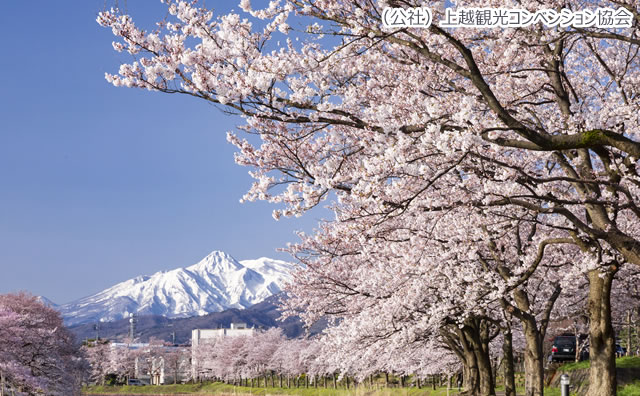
{"type": "Point", "coordinates": [627, 362]}
{"type": "Point", "coordinates": [218, 388]}
{"type": "Point", "coordinates": [225, 389]}
{"type": "Point", "coordinates": [623, 362]}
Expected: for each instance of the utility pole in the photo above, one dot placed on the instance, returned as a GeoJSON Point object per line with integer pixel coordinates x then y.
{"type": "Point", "coordinates": [173, 334]}
{"type": "Point", "coordinates": [132, 326]}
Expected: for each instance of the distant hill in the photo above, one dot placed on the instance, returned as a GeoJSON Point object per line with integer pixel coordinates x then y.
{"type": "Point", "coordinates": [216, 283]}
{"type": "Point", "coordinates": [263, 314]}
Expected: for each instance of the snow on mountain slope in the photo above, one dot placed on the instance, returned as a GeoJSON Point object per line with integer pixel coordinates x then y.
{"type": "Point", "coordinates": [46, 301]}
{"type": "Point", "coordinates": [216, 283]}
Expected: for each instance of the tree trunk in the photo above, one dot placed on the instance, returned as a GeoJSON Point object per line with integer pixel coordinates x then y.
{"type": "Point", "coordinates": [628, 333]}
{"type": "Point", "coordinates": [487, 387]}
{"type": "Point", "coordinates": [602, 349]}
{"type": "Point", "coordinates": [636, 352]}
{"type": "Point", "coordinates": [533, 361]}
{"type": "Point", "coordinates": [470, 374]}
{"type": "Point", "coordinates": [577, 346]}
{"type": "Point", "coordinates": [335, 385]}
{"type": "Point", "coordinates": [475, 332]}
{"type": "Point", "coordinates": [471, 344]}
{"type": "Point", "coordinates": [534, 336]}
{"type": "Point", "coordinates": [509, 371]}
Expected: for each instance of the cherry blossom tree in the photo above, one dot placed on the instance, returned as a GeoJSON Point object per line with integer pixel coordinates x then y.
{"type": "Point", "coordinates": [37, 353]}
{"type": "Point", "coordinates": [11, 371]}
{"type": "Point", "coordinates": [127, 361]}
{"type": "Point", "coordinates": [176, 361]}
{"type": "Point", "coordinates": [417, 128]}
{"type": "Point", "coordinates": [625, 298]}
{"type": "Point", "coordinates": [98, 355]}
{"type": "Point", "coordinates": [122, 360]}
{"type": "Point", "coordinates": [288, 358]}
{"type": "Point", "coordinates": [261, 347]}
{"type": "Point", "coordinates": [388, 284]}
{"type": "Point", "coordinates": [203, 357]}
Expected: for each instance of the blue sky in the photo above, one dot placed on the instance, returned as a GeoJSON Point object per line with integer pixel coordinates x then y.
{"type": "Point", "coordinates": [99, 184]}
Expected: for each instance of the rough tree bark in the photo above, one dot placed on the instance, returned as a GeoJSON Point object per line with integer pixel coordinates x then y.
{"type": "Point", "coordinates": [471, 344]}
{"type": "Point", "coordinates": [457, 342]}
{"type": "Point", "coordinates": [628, 333]}
{"type": "Point", "coordinates": [534, 333]}
{"type": "Point", "coordinates": [602, 349]}
{"type": "Point", "coordinates": [479, 337]}
{"type": "Point", "coordinates": [509, 371]}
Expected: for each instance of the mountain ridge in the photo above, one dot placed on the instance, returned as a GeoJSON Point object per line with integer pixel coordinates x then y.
{"type": "Point", "coordinates": [264, 314]}
{"type": "Point", "coordinates": [215, 283]}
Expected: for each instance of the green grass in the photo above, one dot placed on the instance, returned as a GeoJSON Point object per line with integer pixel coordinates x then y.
{"type": "Point", "coordinates": [169, 389]}
{"type": "Point", "coordinates": [218, 388]}
{"type": "Point", "coordinates": [585, 364]}
{"type": "Point", "coordinates": [623, 362]}
{"type": "Point", "coordinates": [628, 362]}
{"type": "Point", "coordinates": [630, 390]}
{"type": "Point", "coordinates": [549, 392]}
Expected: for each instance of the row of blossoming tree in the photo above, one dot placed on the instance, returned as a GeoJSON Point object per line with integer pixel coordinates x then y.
{"type": "Point", "coordinates": [484, 181]}
{"type": "Point", "coordinates": [37, 353]}
{"type": "Point", "coordinates": [267, 358]}
{"type": "Point", "coordinates": [119, 362]}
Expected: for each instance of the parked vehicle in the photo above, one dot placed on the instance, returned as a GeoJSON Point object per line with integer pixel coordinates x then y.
{"type": "Point", "coordinates": [563, 349]}
{"type": "Point", "coordinates": [136, 382]}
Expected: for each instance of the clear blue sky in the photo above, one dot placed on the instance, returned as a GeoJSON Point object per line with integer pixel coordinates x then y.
{"type": "Point", "coordinates": [99, 184]}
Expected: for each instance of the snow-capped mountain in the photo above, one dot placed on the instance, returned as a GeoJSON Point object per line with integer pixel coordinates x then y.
{"type": "Point", "coordinates": [216, 283]}
{"type": "Point", "coordinates": [46, 301]}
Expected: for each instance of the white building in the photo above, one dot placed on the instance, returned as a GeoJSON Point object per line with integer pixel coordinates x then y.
{"type": "Point", "coordinates": [237, 329]}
